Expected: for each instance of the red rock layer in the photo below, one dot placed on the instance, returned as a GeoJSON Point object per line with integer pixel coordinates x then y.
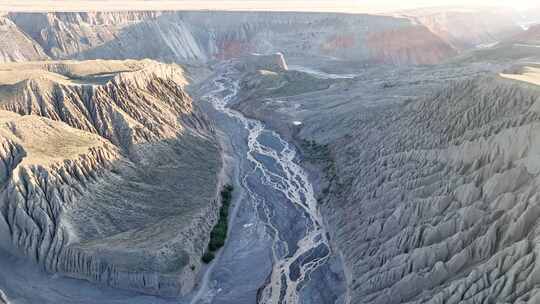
{"type": "Point", "coordinates": [228, 49]}
{"type": "Point", "coordinates": [410, 45]}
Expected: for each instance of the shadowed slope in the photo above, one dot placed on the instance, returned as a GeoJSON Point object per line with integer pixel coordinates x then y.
{"type": "Point", "coordinates": [135, 211]}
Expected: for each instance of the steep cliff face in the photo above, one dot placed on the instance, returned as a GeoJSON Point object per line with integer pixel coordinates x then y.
{"type": "Point", "coordinates": [203, 36]}
{"type": "Point", "coordinates": [16, 46]}
{"type": "Point", "coordinates": [110, 175]}
{"type": "Point", "coordinates": [115, 35]}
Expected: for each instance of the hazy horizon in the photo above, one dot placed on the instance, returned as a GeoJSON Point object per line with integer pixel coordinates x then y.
{"type": "Point", "coordinates": [257, 5]}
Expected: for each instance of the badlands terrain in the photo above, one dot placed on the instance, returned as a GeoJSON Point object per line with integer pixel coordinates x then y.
{"type": "Point", "coordinates": [374, 158]}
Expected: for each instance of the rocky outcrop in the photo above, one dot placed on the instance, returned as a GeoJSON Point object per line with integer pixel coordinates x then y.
{"type": "Point", "coordinates": [204, 36]}
{"type": "Point", "coordinates": [16, 46]}
{"type": "Point", "coordinates": [109, 176]}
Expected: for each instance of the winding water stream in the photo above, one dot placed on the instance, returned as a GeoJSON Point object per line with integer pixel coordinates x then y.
{"type": "Point", "coordinates": [282, 199]}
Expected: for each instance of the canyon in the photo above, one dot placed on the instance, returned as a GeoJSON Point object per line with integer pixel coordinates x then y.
{"type": "Point", "coordinates": [207, 36]}
{"type": "Point", "coordinates": [374, 158]}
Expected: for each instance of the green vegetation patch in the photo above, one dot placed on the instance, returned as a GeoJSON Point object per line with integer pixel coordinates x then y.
{"type": "Point", "coordinates": [320, 154]}
{"type": "Point", "coordinates": [219, 232]}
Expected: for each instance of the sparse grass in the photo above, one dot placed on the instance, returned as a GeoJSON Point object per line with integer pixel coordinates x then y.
{"type": "Point", "coordinates": [218, 234]}
{"type": "Point", "coordinates": [315, 152]}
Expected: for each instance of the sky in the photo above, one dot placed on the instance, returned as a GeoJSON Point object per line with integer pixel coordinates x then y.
{"type": "Point", "coordinates": [517, 4]}
{"type": "Point", "coordinates": [302, 5]}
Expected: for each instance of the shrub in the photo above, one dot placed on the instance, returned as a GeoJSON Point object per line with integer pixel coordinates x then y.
{"type": "Point", "coordinates": [219, 232]}
{"type": "Point", "coordinates": [208, 257]}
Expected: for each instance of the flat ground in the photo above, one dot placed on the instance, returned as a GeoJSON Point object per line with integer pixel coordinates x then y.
{"type": "Point", "coordinates": [46, 141]}
{"type": "Point", "coordinates": [527, 74]}
{"type": "Point", "coordinates": [68, 72]}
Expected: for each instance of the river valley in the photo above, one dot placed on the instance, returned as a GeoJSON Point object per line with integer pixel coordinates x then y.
{"type": "Point", "coordinates": [387, 158]}
{"type": "Point", "coordinates": [277, 250]}
{"type": "Point", "coordinates": [276, 227]}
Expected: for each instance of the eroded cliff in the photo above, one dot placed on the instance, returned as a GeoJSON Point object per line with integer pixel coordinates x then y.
{"type": "Point", "coordinates": [16, 46]}
{"type": "Point", "coordinates": [446, 211]}
{"type": "Point", "coordinates": [111, 173]}
{"type": "Point", "coordinates": [431, 198]}
{"type": "Point", "coordinates": [205, 36]}
{"type": "Point", "coordinates": [111, 176]}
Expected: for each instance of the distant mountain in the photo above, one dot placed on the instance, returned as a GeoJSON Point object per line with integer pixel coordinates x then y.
{"type": "Point", "coordinates": [521, 47]}
{"type": "Point", "coordinates": [206, 36]}
{"type": "Point", "coordinates": [468, 28]}
{"type": "Point", "coordinates": [530, 17]}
